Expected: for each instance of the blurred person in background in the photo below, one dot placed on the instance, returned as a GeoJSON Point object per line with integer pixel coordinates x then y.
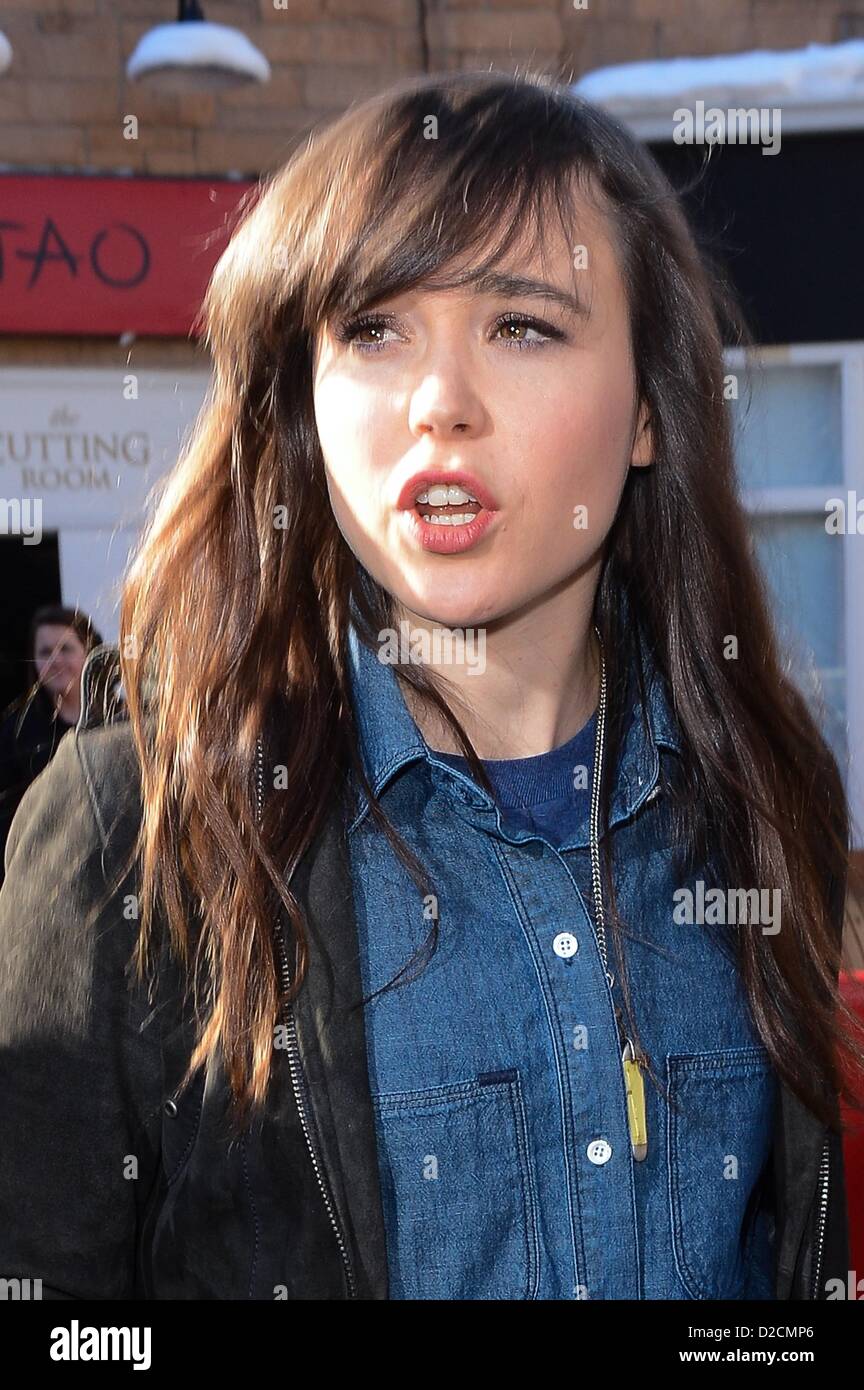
{"type": "Point", "coordinates": [33, 725]}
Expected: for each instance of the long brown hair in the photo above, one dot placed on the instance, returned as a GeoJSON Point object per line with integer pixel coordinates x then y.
{"type": "Point", "coordinates": [234, 626]}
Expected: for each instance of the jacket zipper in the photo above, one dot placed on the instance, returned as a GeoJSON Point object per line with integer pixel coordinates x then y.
{"type": "Point", "coordinates": [823, 1215]}
{"type": "Point", "coordinates": [294, 1066]}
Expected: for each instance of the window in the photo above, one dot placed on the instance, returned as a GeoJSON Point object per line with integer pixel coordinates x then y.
{"type": "Point", "coordinates": [799, 441]}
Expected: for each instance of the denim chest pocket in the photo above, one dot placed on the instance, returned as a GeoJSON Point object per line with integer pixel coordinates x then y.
{"type": "Point", "coordinates": [458, 1191]}
{"type": "Point", "coordinates": [720, 1137]}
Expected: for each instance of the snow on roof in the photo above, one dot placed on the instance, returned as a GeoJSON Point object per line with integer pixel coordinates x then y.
{"type": "Point", "coordinates": [819, 86]}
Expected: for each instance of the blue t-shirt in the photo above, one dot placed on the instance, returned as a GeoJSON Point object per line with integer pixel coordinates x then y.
{"type": "Point", "coordinates": [542, 793]}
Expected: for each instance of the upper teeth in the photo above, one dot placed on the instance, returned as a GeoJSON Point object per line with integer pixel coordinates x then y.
{"type": "Point", "coordinates": [440, 495]}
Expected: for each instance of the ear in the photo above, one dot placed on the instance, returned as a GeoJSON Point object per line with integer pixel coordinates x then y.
{"type": "Point", "coordinates": [643, 440]}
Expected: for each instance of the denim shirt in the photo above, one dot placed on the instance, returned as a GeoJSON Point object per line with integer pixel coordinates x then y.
{"type": "Point", "coordinates": [544, 793]}
{"type": "Point", "coordinates": [506, 1169]}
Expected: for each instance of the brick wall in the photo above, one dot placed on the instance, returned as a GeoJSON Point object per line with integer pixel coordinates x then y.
{"type": "Point", "coordinates": [63, 101]}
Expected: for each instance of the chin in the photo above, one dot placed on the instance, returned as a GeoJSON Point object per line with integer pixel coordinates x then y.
{"type": "Point", "coordinates": [454, 612]}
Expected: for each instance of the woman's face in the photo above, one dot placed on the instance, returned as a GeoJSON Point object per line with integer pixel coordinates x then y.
{"type": "Point", "coordinates": [59, 655]}
{"type": "Point", "coordinates": [529, 391]}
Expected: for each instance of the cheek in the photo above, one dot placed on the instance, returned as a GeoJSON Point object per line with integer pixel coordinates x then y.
{"type": "Point", "coordinates": [584, 434]}
{"type": "Point", "coordinates": [343, 446]}
{"type": "Point", "coordinates": [333, 420]}
{"type": "Point", "coordinates": [353, 428]}
{"type": "Point", "coordinates": [346, 503]}
{"type": "Point", "coordinates": [352, 450]}
{"type": "Point", "coordinates": [348, 414]}
{"type": "Point", "coordinates": [573, 442]}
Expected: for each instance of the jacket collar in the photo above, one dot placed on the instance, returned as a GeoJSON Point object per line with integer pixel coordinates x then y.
{"type": "Point", "coordinates": [390, 740]}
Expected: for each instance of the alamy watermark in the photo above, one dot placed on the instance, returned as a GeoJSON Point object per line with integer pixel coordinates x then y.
{"type": "Point", "coordinates": [20, 1290]}
{"type": "Point", "coordinates": [737, 125]}
{"type": "Point", "coordinates": [845, 515]}
{"type": "Point", "coordinates": [853, 1288]}
{"type": "Point", "coordinates": [442, 646]}
{"type": "Point", "coordinates": [21, 516]}
{"type": "Point", "coordinates": [77, 1343]}
{"type": "Point", "coordinates": [732, 906]}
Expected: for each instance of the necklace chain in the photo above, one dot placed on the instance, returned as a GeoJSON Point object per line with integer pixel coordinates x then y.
{"type": "Point", "coordinates": [599, 744]}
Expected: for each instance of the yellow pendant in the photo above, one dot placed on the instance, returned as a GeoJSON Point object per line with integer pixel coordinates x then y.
{"type": "Point", "coordinates": [635, 1102]}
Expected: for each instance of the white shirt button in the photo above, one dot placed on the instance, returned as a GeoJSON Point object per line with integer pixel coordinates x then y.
{"type": "Point", "coordinates": [565, 945]}
{"type": "Point", "coordinates": [599, 1151]}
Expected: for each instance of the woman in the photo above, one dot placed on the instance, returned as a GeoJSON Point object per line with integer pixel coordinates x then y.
{"type": "Point", "coordinates": [57, 647]}
{"type": "Point", "coordinates": [424, 1006]}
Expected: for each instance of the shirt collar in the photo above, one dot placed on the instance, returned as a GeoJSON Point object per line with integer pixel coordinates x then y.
{"type": "Point", "coordinates": [390, 740]}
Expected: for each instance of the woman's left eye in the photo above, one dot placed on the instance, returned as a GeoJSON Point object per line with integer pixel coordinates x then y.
{"type": "Point", "coordinates": [519, 324]}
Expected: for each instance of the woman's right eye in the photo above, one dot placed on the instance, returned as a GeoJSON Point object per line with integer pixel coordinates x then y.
{"type": "Point", "coordinates": [373, 324]}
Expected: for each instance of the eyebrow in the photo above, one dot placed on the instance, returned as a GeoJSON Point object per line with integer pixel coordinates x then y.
{"type": "Point", "coordinates": [495, 282]}
{"type": "Point", "coordinates": [500, 283]}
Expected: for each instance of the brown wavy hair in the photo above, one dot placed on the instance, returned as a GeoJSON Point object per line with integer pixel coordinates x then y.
{"type": "Point", "coordinates": [235, 628]}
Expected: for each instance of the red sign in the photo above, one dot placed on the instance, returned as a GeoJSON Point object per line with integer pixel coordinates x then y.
{"type": "Point", "coordinates": [93, 256]}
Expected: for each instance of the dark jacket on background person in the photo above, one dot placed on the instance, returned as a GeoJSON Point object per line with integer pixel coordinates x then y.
{"type": "Point", "coordinates": [115, 1186]}
{"type": "Point", "coordinates": [29, 734]}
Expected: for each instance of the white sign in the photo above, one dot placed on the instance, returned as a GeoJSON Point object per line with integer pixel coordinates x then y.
{"type": "Point", "coordinates": [88, 444]}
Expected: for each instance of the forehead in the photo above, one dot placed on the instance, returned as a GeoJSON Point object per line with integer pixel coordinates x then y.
{"type": "Point", "coordinates": [555, 237]}
{"type": "Point", "coordinates": [572, 247]}
{"type": "Point", "coordinates": [575, 253]}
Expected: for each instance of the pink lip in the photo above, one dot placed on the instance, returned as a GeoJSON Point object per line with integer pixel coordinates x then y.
{"type": "Point", "coordinates": [408, 496]}
{"type": "Point", "coordinates": [446, 540]}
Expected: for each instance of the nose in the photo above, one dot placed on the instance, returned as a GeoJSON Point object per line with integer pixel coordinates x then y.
{"type": "Point", "coordinates": [444, 404]}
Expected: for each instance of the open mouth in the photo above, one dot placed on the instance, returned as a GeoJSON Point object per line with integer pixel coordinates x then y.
{"type": "Point", "coordinates": [449, 505]}
{"type": "Point", "coordinates": [446, 515]}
